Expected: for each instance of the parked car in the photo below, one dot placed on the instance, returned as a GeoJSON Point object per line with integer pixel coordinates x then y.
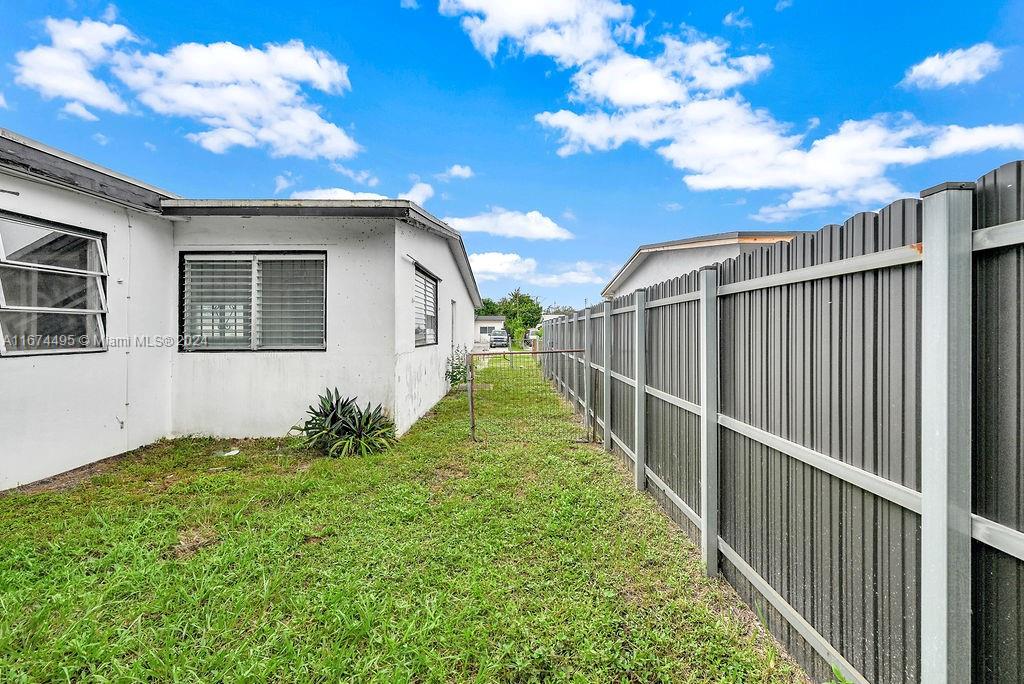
{"type": "Point", "coordinates": [499, 338]}
{"type": "Point", "coordinates": [529, 337]}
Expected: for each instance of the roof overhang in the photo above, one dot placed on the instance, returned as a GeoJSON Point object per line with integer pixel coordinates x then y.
{"type": "Point", "coordinates": [736, 237]}
{"type": "Point", "coordinates": [401, 210]}
{"type": "Point", "coordinates": [30, 158]}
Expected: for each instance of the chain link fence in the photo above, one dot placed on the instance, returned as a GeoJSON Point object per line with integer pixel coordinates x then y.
{"type": "Point", "coordinates": [510, 399]}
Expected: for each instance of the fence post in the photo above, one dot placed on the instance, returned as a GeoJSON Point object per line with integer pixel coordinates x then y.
{"type": "Point", "coordinates": [640, 372]}
{"type": "Point", "coordinates": [946, 333]}
{"type": "Point", "coordinates": [469, 389]}
{"type": "Point", "coordinates": [574, 333]}
{"type": "Point", "coordinates": [709, 419]}
{"type": "Point", "coordinates": [606, 386]}
{"type": "Point", "coordinates": [587, 393]}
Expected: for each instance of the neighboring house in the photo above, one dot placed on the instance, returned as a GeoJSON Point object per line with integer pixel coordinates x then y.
{"type": "Point", "coordinates": [485, 325]}
{"type": "Point", "coordinates": [128, 314]}
{"type": "Point", "coordinates": [652, 264]}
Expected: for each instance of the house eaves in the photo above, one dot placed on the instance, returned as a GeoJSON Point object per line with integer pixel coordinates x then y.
{"type": "Point", "coordinates": [32, 159]}
{"type": "Point", "coordinates": [729, 238]}
{"type": "Point", "coordinates": [401, 210]}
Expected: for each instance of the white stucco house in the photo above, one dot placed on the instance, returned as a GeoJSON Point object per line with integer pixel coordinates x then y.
{"type": "Point", "coordinates": [485, 325]}
{"type": "Point", "coordinates": [654, 263]}
{"type": "Point", "coordinates": [128, 313]}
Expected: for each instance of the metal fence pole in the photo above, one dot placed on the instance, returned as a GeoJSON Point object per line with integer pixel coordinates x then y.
{"type": "Point", "coordinates": [606, 383]}
{"type": "Point", "coordinates": [640, 373]}
{"type": "Point", "coordinates": [588, 399]}
{"type": "Point", "coordinates": [946, 334]}
{"type": "Point", "coordinates": [469, 388]}
{"type": "Point", "coordinates": [709, 419]}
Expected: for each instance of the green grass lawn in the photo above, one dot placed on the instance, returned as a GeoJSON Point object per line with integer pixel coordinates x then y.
{"type": "Point", "coordinates": [521, 558]}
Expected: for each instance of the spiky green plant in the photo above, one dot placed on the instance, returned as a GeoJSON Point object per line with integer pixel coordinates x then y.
{"type": "Point", "coordinates": [365, 431]}
{"type": "Point", "coordinates": [337, 426]}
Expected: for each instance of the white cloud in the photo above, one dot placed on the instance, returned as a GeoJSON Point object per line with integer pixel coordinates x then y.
{"type": "Point", "coordinates": [79, 110]}
{"type": "Point", "coordinates": [100, 138]}
{"type": "Point", "coordinates": [672, 206]}
{"type": "Point", "coordinates": [242, 96]}
{"type": "Point", "coordinates": [783, 5]}
{"type": "Point", "coordinates": [488, 266]}
{"type": "Point", "coordinates": [419, 193]}
{"type": "Point", "coordinates": [954, 140]}
{"type": "Point", "coordinates": [569, 215]}
{"type": "Point", "coordinates": [363, 177]}
{"type": "Point", "coordinates": [247, 97]}
{"type": "Point", "coordinates": [64, 68]}
{"type": "Point", "coordinates": [149, 146]}
{"type": "Point", "coordinates": [569, 31]}
{"type": "Point", "coordinates": [335, 194]}
{"type": "Point", "coordinates": [530, 225]}
{"type": "Point", "coordinates": [968, 65]}
{"type": "Point", "coordinates": [409, 4]}
{"type": "Point", "coordinates": [283, 181]}
{"type": "Point", "coordinates": [110, 13]}
{"type": "Point", "coordinates": [459, 171]}
{"type": "Point", "coordinates": [628, 81]}
{"type": "Point", "coordinates": [737, 19]}
{"type": "Point", "coordinates": [498, 265]}
{"type": "Point", "coordinates": [3, 102]}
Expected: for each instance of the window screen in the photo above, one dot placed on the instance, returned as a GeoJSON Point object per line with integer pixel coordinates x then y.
{"type": "Point", "coordinates": [52, 288]}
{"type": "Point", "coordinates": [253, 302]}
{"type": "Point", "coordinates": [425, 308]}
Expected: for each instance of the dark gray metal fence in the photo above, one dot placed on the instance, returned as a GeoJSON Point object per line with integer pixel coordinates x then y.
{"type": "Point", "coordinates": [867, 403]}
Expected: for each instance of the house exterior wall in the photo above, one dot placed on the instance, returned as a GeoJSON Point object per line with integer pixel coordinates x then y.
{"type": "Point", "coordinates": [661, 266]}
{"type": "Point", "coordinates": [482, 329]}
{"type": "Point", "coordinates": [265, 393]}
{"type": "Point", "coordinates": [419, 371]}
{"type": "Point", "coordinates": [59, 412]}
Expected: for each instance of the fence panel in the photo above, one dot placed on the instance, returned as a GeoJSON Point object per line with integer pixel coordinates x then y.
{"type": "Point", "coordinates": [998, 477]}
{"type": "Point", "coordinates": [673, 432]}
{"type": "Point", "coordinates": [623, 357]}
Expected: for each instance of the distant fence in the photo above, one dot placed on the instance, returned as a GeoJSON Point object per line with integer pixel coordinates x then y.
{"type": "Point", "coordinates": [859, 473]}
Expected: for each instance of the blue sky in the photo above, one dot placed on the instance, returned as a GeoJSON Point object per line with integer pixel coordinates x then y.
{"type": "Point", "coordinates": [557, 135]}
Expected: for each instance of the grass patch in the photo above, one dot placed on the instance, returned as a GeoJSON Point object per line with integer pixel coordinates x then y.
{"type": "Point", "coordinates": [522, 558]}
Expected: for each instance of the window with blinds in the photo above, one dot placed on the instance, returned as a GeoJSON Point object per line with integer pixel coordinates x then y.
{"type": "Point", "coordinates": [254, 302]}
{"type": "Point", "coordinates": [52, 288]}
{"type": "Point", "coordinates": [425, 308]}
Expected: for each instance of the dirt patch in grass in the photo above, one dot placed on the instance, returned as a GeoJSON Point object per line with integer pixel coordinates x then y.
{"type": "Point", "coordinates": [73, 478]}
{"type": "Point", "coordinates": [191, 540]}
{"type": "Point", "coordinates": [444, 474]}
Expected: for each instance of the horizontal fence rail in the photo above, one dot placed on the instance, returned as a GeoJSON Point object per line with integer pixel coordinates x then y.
{"type": "Point", "coordinates": [835, 420]}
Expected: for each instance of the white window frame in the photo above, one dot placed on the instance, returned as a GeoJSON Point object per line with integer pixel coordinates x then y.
{"type": "Point", "coordinates": [99, 240]}
{"type": "Point", "coordinates": [255, 258]}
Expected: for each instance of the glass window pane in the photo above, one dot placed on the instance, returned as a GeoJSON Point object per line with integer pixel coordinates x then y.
{"type": "Point", "coordinates": [36, 244]}
{"type": "Point", "coordinates": [25, 287]}
{"type": "Point", "coordinates": [291, 303]}
{"type": "Point", "coordinates": [218, 304]}
{"type": "Point", "coordinates": [34, 332]}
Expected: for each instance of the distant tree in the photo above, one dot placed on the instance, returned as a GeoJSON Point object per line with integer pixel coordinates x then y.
{"type": "Point", "coordinates": [489, 308]}
{"type": "Point", "coordinates": [560, 309]}
{"type": "Point", "coordinates": [521, 310]}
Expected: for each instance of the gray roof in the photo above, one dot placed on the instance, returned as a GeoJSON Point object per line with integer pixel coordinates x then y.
{"type": "Point", "coordinates": [490, 318]}
{"type": "Point", "coordinates": [729, 237]}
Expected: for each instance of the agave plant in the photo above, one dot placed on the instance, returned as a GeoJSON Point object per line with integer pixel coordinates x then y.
{"type": "Point", "coordinates": [338, 427]}
{"type": "Point", "coordinates": [366, 431]}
